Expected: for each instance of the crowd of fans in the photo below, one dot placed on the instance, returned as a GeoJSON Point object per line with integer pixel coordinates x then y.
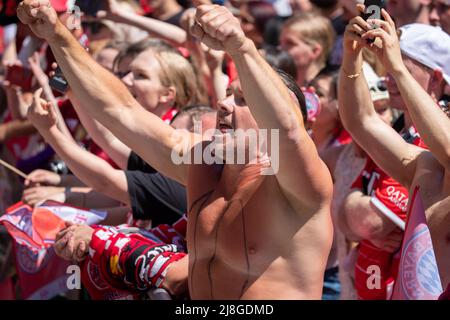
{"type": "Point", "coordinates": [89, 104]}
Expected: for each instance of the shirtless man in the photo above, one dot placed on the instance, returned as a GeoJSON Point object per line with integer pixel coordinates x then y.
{"type": "Point", "coordinates": [250, 236]}
{"type": "Point", "coordinates": [410, 165]}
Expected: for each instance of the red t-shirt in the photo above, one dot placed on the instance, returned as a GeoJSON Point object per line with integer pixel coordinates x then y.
{"type": "Point", "coordinates": [387, 194]}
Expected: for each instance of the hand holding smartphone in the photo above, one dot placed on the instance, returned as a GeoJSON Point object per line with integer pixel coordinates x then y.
{"type": "Point", "coordinates": [372, 10]}
{"type": "Point", "coordinates": [58, 82]}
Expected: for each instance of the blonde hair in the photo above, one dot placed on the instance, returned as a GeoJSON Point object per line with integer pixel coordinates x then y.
{"type": "Point", "coordinates": [178, 72]}
{"type": "Point", "coordinates": [314, 29]}
{"type": "Point", "coordinates": [175, 71]}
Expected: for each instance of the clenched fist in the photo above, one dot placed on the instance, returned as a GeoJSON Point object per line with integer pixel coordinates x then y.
{"type": "Point", "coordinates": [217, 28]}
{"type": "Point", "coordinates": [40, 16]}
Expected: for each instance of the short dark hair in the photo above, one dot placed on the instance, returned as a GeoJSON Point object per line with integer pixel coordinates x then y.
{"type": "Point", "coordinates": [291, 84]}
{"type": "Point", "coordinates": [332, 73]}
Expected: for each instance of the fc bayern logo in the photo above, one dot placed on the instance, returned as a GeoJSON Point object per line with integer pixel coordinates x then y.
{"type": "Point", "coordinates": [420, 277]}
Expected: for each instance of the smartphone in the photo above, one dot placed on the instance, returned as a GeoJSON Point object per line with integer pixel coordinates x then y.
{"type": "Point", "coordinates": [312, 101]}
{"type": "Point", "coordinates": [58, 82]}
{"type": "Point", "coordinates": [20, 76]}
{"type": "Point", "coordinates": [373, 9]}
{"type": "Point", "coordinates": [90, 7]}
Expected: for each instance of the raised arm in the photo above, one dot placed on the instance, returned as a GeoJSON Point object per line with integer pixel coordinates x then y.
{"type": "Point", "coordinates": [104, 96]}
{"type": "Point", "coordinates": [43, 81]}
{"type": "Point", "coordinates": [385, 146]}
{"type": "Point", "coordinates": [90, 169]}
{"type": "Point", "coordinates": [154, 27]}
{"type": "Point", "coordinates": [431, 122]}
{"type": "Point", "coordinates": [301, 175]}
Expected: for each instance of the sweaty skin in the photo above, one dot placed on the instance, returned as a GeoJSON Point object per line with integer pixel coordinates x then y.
{"type": "Point", "coordinates": [249, 236]}
{"type": "Point", "coordinates": [246, 241]}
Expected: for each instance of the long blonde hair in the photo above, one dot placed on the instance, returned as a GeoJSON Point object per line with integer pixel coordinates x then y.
{"type": "Point", "coordinates": [175, 71]}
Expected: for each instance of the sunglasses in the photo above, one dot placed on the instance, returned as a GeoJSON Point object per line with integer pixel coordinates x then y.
{"type": "Point", "coordinates": [381, 85]}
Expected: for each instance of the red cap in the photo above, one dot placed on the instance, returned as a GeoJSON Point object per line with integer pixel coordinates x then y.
{"type": "Point", "coordinates": [59, 5]}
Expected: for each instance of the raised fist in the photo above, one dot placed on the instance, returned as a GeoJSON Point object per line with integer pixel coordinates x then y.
{"type": "Point", "coordinates": [40, 16]}
{"type": "Point", "coordinates": [217, 28]}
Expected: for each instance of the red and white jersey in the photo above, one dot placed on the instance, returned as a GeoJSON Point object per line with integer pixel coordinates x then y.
{"type": "Point", "coordinates": [389, 196]}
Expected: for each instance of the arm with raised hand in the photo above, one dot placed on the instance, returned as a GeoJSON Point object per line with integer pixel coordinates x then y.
{"type": "Point", "coordinates": [154, 27]}
{"type": "Point", "coordinates": [43, 81]}
{"type": "Point", "coordinates": [431, 122]}
{"type": "Point", "coordinates": [105, 97]}
{"type": "Point", "coordinates": [302, 176]}
{"type": "Point", "coordinates": [207, 61]}
{"type": "Point", "coordinates": [384, 145]}
{"type": "Point", "coordinates": [90, 169]}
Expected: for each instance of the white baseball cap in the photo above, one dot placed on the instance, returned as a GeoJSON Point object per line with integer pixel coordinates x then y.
{"type": "Point", "coordinates": [428, 45]}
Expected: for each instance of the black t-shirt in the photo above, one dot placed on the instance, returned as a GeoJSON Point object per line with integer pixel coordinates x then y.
{"type": "Point", "coordinates": [136, 163]}
{"type": "Point", "coordinates": [153, 196]}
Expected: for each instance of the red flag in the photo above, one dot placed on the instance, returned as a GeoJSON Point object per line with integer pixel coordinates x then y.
{"type": "Point", "coordinates": [418, 276]}
{"type": "Point", "coordinates": [37, 228]}
{"type": "Point", "coordinates": [42, 274]}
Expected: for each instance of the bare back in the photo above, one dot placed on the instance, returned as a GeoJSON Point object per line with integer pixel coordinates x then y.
{"type": "Point", "coordinates": [246, 241]}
